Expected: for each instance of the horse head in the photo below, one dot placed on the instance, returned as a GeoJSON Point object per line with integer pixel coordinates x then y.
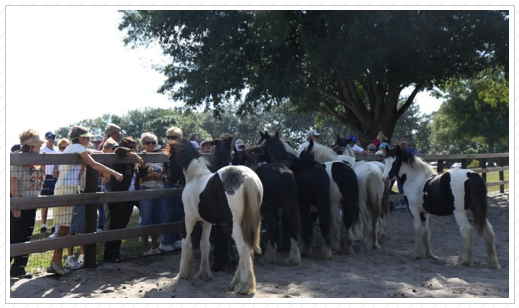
{"type": "Point", "coordinates": [393, 164]}
{"type": "Point", "coordinates": [176, 153]}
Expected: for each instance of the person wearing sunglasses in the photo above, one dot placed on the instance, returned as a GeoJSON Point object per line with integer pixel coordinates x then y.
{"type": "Point", "coordinates": [152, 211]}
{"type": "Point", "coordinates": [173, 135]}
{"type": "Point", "coordinates": [404, 145]}
{"type": "Point", "coordinates": [372, 148]}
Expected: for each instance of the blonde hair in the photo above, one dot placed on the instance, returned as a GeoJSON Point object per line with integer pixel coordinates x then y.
{"type": "Point", "coordinates": [175, 130]}
{"type": "Point", "coordinates": [61, 141]}
{"type": "Point", "coordinates": [146, 136]}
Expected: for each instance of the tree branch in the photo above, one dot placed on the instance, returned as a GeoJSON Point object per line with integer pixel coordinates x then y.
{"type": "Point", "coordinates": [409, 101]}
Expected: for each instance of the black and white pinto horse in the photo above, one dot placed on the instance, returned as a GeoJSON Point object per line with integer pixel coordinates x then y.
{"type": "Point", "coordinates": [453, 192]}
{"type": "Point", "coordinates": [344, 197]}
{"type": "Point", "coordinates": [232, 196]}
{"type": "Point", "coordinates": [313, 188]}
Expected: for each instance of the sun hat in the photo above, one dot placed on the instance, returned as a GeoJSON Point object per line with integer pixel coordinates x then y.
{"type": "Point", "coordinates": [312, 132]}
{"type": "Point", "coordinates": [96, 138]}
{"type": "Point", "coordinates": [109, 143]}
{"type": "Point", "coordinates": [33, 141]}
{"type": "Point", "coordinates": [206, 141]}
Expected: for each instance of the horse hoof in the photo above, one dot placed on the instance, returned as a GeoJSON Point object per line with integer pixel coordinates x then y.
{"type": "Point", "coordinates": [492, 265]}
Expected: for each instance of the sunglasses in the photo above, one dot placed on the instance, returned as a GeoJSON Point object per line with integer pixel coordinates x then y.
{"type": "Point", "coordinates": [403, 143]}
{"type": "Point", "coordinates": [172, 137]}
{"type": "Point", "coordinates": [371, 149]}
{"type": "Point", "coordinates": [150, 142]}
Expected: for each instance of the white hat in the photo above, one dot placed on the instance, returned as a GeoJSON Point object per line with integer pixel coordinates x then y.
{"type": "Point", "coordinates": [239, 142]}
{"type": "Point", "coordinates": [96, 138]}
{"type": "Point", "coordinates": [312, 132]}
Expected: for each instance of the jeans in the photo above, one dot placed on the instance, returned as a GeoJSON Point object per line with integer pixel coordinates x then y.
{"type": "Point", "coordinates": [101, 209]}
{"type": "Point", "coordinates": [174, 213]}
{"type": "Point", "coordinates": [152, 211]}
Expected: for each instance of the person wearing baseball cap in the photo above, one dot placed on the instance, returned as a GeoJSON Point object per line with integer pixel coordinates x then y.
{"type": "Point", "coordinates": [352, 144]}
{"type": "Point", "coordinates": [311, 135]}
{"type": "Point", "coordinates": [239, 145]}
{"type": "Point", "coordinates": [50, 181]}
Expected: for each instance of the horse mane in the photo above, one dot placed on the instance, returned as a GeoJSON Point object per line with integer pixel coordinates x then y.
{"type": "Point", "coordinates": [185, 154]}
{"type": "Point", "coordinates": [276, 149]}
{"type": "Point", "coordinates": [323, 153]}
{"type": "Point", "coordinates": [288, 148]}
{"type": "Point", "coordinates": [415, 163]}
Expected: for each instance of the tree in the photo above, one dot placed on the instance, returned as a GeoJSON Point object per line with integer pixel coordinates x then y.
{"type": "Point", "coordinates": [476, 110]}
{"type": "Point", "coordinates": [351, 65]}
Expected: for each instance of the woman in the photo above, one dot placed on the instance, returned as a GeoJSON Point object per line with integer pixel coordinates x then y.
{"type": "Point", "coordinates": [152, 211]}
{"type": "Point", "coordinates": [121, 212]}
{"type": "Point", "coordinates": [68, 183]}
{"type": "Point", "coordinates": [26, 181]}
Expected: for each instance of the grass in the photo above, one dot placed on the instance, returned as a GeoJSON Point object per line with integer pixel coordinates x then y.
{"type": "Point", "coordinates": [39, 261]}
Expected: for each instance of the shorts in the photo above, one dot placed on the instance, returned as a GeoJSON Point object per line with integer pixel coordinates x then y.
{"type": "Point", "coordinates": [77, 224]}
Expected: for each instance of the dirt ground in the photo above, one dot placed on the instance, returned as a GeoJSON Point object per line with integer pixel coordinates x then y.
{"type": "Point", "coordinates": [386, 273]}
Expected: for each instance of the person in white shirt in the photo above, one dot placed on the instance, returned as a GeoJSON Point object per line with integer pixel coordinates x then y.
{"type": "Point", "coordinates": [50, 180]}
{"type": "Point", "coordinates": [311, 135]}
{"type": "Point", "coordinates": [352, 144]}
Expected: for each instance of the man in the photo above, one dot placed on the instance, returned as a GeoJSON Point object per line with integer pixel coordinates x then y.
{"type": "Point", "coordinates": [207, 146]}
{"type": "Point", "coordinates": [112, 131]}
{"type": "Point", "coordinates": [96, 141]}
{"type": "Point", "coordinates": [311, 135]}
{"type": "Point", "coordinates": [404, 145]}
{"type": "Point", "coordinates": [352, 144]}
{"type": "Point", "coordinates": [240, 145]}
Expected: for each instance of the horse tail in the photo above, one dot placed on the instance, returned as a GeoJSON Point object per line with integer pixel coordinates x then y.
{"type": "Point", "coordinates": [251, 220]}
{"type": "Point", "coordinates": [321, 186]}
{"type": "Point", "coordinates": [476, 189]}
{"type": "Point", "coordinates": [373, 196]}
{"type": "Point", "coordinates": [346, 180]}
{"type": "Point", "coordinates": [290, 202]}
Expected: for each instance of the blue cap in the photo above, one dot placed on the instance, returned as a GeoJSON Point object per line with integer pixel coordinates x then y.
{"type": "Point", "coordinates": [50, 135]}
{"type": "Point", "coordinates": [352, 138]}
{"type": "Point", "coordinates": [384, 145]}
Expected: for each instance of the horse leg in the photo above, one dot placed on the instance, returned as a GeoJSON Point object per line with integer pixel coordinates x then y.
{"type": "Point", "coordinates": [220, 248]}
{"type": "Point", "coordinates": [427, 239]}
{"type": "Point", "coordinates": [306, 244]}
{"type": "Point", "coordinates": [204, 273]}
{"type": "Point", "coordinates": [244, 281]}
{"type": "Point", "coordinates": [420, 234]}
{"type": "Point", "coordinates": [491, 255]}
{"type": "Point", "coordinates": [294, 257]}
{"type": "Point", "coordinates": [336, 232]}
{"type": "Point", "coordinates": [374, 232]}
{"type": "Point", "coordinates": [382, 230]}
{"type": "Point", "coordinates": [186, 257]}
{"type": "Point", "coordinates": [367, 236]}
{"type": "Point", "coordinates": [272, 219]}
{"type": "Point", "coordinates": [326, 248]}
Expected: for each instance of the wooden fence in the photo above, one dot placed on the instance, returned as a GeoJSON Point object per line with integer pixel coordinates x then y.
{"type": "Point", "coordinates": [91, 198]}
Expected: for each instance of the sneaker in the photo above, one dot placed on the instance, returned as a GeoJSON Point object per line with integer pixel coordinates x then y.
{"type": "Point", "coordinates": [151, 252]}
{"type": "Point", "coordinates": [177, 244]}
{"type": "Point", "coordinates": [53, 235]}
{"type": "Point", "coordinates": [72, 263]}
{"type": "Point", "coordinates": [54, 269]}
{"type": "Point", "coordinates": [99, 230]}
{"type": "Point", "coordinates": [43, 229]}
{"type": "Point", "coordinates": [166, 248]}
{"type": "Point", "coordinates": [401, 207]}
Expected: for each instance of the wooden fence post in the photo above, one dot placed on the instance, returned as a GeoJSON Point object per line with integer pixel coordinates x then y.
{"type": "Point", "coordinates": [483, 166]}
{"type": "Point", "coordinates": [91, 216]}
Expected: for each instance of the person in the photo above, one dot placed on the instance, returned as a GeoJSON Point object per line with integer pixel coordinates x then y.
{"type": "Point", "coordinates": [239, 145]}
{"type": "Point", "coordinates": [372, 148]}
{"type": "Point", "coordinates": [62, 145]}
{"type": "Point", "coordinates": [174, 206]}
{"type": "Point", "coordinates": [111, 131]}
{"type": "Point", "coordinates": [195, 140]}
{"type": "Point", "coordinates": [15, 148]}
{"type": "Point", "coordinates": [404, 145]}
{"type": "Point", "coordinates": [382, 150]}
{"type": "Point", "coordinates": [50, 180]}
{"type": "Point", "coordinates": [207, 146]}
{"type": "Point", "coordinates": [380, 138]}
{"type": "Point", "coordinates": [96, 142]}
{"type": "Point", "coordinates": [311, 135]}
{"type": "Point", "coordinates": [394, 144]}
{"type": "Point", "coordinates": [152, 211]}
{"type": "Point", "coordinates": [121, 212]}
{"type": "Point", "coordinates": [353, 146]}
{"type": "Point", "coordinates": [68, 183]}
{"type": "Point", "coordinates": [25, 181]}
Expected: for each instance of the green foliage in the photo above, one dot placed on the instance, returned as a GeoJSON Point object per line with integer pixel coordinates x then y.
{"type": "Point", "coordinates": [473, 164]}
{"type": "Point", "coordinates": [350, 65]}
{"type": "Point", "coordinates": [476, 109]}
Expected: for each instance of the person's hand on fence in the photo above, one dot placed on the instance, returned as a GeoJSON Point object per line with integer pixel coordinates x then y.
{"type": "Point", "coordinates": [118, 176]}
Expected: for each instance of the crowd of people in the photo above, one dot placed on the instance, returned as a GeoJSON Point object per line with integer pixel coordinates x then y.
{"type": "Point", "coordinates": [31, 181]}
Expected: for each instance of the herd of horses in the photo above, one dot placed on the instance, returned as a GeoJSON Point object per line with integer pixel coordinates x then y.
{"type": "Point", "coordinates": [234, 199]}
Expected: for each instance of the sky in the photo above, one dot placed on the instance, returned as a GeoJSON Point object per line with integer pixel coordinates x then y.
{"type": "Point", "coordinates": [65, 64]}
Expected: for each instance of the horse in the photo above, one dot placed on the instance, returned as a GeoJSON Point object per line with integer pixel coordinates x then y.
{"type": "Point", "coordinates": [280, 192]}
{"type": "Point", "coordinates": [232, 196]}
{"type": "Point", "coordinates": [323, 154]}
{"type": "Point", "coordinates": [344, 196]}
{"type": "Point", "coordinates": [313, 187]}
{"type": "Point", "coordinates": [451, 193]}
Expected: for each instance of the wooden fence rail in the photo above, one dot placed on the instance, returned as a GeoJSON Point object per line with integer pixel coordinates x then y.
{"type": "Point", "coordinates": [91, 198]}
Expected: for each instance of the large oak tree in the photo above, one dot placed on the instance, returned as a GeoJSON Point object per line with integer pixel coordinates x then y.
{"type": "Point", "coordinates": [352, 65]}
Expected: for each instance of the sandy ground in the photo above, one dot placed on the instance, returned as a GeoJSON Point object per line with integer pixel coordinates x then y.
{"type": "Point", "coordinates": [389, 272]}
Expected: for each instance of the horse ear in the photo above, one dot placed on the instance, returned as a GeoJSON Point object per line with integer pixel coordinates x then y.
{"type": "Point", "coordinates": [262, 135]}
{"type": "Point", "coordinates": [309, 148]}
{"type": "Point", "coordinates": [398, 150]}
{"type": "Point", "coordinates": [277, 135]}
{"type": "Point", "coordinates": [338, 137]}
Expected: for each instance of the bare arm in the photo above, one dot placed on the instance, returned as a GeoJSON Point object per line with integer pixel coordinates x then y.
{"type": "Point", "coordinates": [100, 167]}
